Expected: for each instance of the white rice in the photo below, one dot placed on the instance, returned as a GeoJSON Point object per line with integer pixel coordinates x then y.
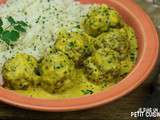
{"type": "Point", "coordinates": [52, 15]}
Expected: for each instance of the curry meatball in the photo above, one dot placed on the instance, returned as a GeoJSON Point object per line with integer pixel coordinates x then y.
{"type": "Point", "coordinates": [103, 66]}
{"type": "Point", "coordinates": [115, 19]}
{"type": "Point", "coordinates": [117, 40]}
{"type": "Point", "coordinates": [133, 43]}
{"type": "Point", "coordinates": [99, 19]}
{"type": "Point", "coordinates": [75, 45]}
{"type": "Point", "coordinates": [126, 66]}
{"type": "Point", "coordinates": [57, 72]}
{"type": "Point", "coordinates": [19, 72]}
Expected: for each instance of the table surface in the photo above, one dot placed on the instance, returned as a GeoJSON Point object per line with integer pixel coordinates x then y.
{"type": "Point", "coordinates": [118, 110]}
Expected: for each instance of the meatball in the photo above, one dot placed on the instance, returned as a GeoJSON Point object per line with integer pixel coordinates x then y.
{"type": "Point", "coordinates": [133, 43]}
{"type": "Point", "coordinates": [126, 66]}
{"type": "Point", "coordinates": [19, 72]}
{"type": "Point", "coordinates": [75, 45]}
{"type": "Point", "coordinates": [103, 66]}
{"type": "Point", "coordinates": [99, 19]}
{"type": "Point", "coordinates": [57, 72]}
{"type": "Point", "coordinates": [117, 40]}
{"type": "Point", "coordinates": [115, 19]}
{"type": "Point", "coordinates": [128, 63]}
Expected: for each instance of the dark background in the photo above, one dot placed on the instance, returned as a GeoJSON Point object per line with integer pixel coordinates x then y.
{"type": "Point", "coordinates": [118, 110]}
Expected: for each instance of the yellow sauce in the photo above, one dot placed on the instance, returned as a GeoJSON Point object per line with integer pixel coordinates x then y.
{"type": "Point", "coordinates": [74, 92]}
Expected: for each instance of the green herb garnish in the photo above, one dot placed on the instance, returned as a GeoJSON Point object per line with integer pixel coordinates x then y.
{"type": "Point", "coordinates": [12, 33]}
{"type": "Point", "coordinates": [7, 36]}
{"type": "Point", "coordinates": [86, 92]}
{"type": "Point", "coordinates": [37, 21]}
{"type": "Point", "coordinates": [11, 20]}
{"type": "Point", "coordinates": [1, 22]}
{"type": "Point", "coordinates": [19, 28]}
{"type": "Point", "coordinates": [22, 23]}
{"type": "Point", "coordinates": [71, 44]}
{"type": "Point", "coordinates": [1, 30]}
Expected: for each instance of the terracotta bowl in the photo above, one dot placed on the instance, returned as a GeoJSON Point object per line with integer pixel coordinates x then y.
{"type": "Point", "coordinates": [147, 56]}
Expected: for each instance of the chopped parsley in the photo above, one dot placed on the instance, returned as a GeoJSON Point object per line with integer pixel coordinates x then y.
{"type": "Point", "coordinates": [11, 20]}
{"type": "Point", "coordinates": [58, 66]}
{"type": "Point", "coordinates": [1, 22]}
{"type": "Point", "coordinates": [86, 92]}
{"type": "Point", "coordinates": [12, 33]}
{"type": "Point", "coordinates": [71, 44]}
{"type": "Point", "coordinates": [9, 36]}
{"type": "Point", "coordinates": [37, 21]}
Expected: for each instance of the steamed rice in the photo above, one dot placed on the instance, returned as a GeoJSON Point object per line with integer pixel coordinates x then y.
{"type": "Point", "coordinates": [45, 17]}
